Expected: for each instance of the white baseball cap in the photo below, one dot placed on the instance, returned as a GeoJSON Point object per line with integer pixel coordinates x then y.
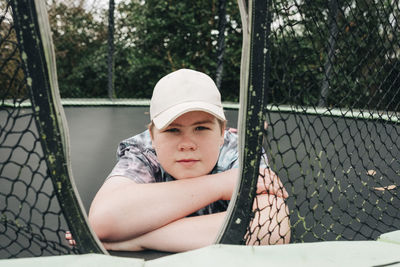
{"type": "Point", "coordinates": [182, 91]}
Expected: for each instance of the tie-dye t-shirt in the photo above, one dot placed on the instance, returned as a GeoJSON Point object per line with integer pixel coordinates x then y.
{"type": "Point", "coordinates": [137, 160]}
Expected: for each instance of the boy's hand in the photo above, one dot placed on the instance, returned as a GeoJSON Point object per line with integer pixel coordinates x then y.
{"type": "Point", "coordinates": [269, 183]}
{"type": "Point", "coordinates": [68, 236]}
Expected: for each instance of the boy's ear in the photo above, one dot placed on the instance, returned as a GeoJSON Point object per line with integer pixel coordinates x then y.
{"type": "Point", "coordinates": [150, 128]}
{"type": "Point", "coordinates": [223, 133]}
{"type": "Point", "coordinates": [223, 127]}
{"type": "Point", "coordinates": [151, 135]}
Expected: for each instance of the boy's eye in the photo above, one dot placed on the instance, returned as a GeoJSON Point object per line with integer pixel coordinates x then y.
{"type": "Point", "coordinates": [172, 130]}
{"type": "Point", "coordinates": [201, 128]}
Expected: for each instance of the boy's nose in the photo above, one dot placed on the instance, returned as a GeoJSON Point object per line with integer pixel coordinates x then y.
{"type": "Point", "coordinates": [187, 144]}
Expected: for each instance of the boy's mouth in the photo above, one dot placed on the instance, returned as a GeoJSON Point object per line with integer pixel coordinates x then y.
{"type": "Point", "coordinates": [188, 162]}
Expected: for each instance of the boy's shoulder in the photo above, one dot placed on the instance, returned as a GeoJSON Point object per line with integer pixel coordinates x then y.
{"type": "Point", "coordinates": [140, 143]}
{"type": "Point", "coordinates": [228, 155]}
{"type": "Point", "coordinates": [143, 139]}
{"type": "Point", "coordinates": [231, 138]}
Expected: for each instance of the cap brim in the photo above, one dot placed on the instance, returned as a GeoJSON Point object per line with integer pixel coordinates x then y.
{"type": "Point", "coordinates": [163, 119]}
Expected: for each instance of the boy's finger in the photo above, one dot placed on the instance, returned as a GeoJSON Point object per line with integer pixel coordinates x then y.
{"type": "Point", "coordinates": [285, 193]}
{"type": "Point", "coordinates": [279, 191]}
{"type": "Point", "coordinates": [280, 188]}
{"type": "Point", "coordinates": [279, 185]}
{"type": "Point", "coordinates": [272, 184]}
{"type": "Point", "coordinates": [68, 235]}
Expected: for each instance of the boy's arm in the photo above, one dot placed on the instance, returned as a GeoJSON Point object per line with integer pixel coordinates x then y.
{"type": "Point", "coordinates": [270, 226]}
{"type": "Point", "coordinates": [184, 234]}
{"type": "Point", "coordinates": [271, 223]}
{"type": "Point", "coordinates": [123, 209]}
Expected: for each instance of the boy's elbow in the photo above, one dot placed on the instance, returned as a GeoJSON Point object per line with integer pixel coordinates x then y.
{"type": "Point", "coordinates": [103, 224]}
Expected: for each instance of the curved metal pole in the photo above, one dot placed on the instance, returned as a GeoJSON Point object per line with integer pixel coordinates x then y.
{"type": "Point", "coordinates": [110, 61]}
{"type": "Point", "coordinates": [37, 53]}
{"type": "Point", "coordinates": [221, 42]}
{"type": "Point", "coordinates": [251, 118]}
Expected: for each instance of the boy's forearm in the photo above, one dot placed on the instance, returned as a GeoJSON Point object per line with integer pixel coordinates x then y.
{"type": "Point", "coordinates": [185, 234]}
{"type": "Point", "coordinates": [129, 210]}
{"type": "Point", "coordinates": [135, 209]}
{"type": "Point", "coordinates": [270, 226]}
{"type": "Point", "coordinates": [271, 223]}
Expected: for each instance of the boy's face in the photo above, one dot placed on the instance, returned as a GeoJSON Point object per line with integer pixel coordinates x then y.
{"type": "Point", "coordinates": [189, 146]}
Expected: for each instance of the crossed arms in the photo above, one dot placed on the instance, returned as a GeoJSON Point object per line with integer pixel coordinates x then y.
{"type": "Point", "coordinates": [130, 216]}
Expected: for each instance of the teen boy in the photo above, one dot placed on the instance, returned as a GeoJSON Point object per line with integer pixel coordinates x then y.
{"type": "Point", "coordinates": [171, 185]}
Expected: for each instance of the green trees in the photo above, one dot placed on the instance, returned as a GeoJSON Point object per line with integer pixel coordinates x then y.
{"type": "Point", "coordinates": [80, 41]}
{"type": "Point", "coordinates": [152, 38]}
{"type": "Point", "coordinates": [350, 49]}
{"type": "Point", "coordinates": [157, 37]}
{"type": "Point", "coordinates": [12, 83]}
{"type": "Point", "coordinates": [329, 53]}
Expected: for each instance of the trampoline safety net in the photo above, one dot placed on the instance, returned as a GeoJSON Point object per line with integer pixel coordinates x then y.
{"type": "Point", "coordinates": [32, 223]}
{"type": "Point", "coordinates": [35, 192]}
{"type": "Point", "coordinates": [323, 84]}
{"type": "Point", "coordinates": [327, 78]}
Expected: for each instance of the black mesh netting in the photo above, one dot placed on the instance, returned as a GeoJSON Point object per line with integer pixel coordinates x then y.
{"type": "Point", "coordinates": [332, 85]}
{"type": "Point", "coordinates": [333, 97]}
{"type": "Point", "coordinates": [31, 221]}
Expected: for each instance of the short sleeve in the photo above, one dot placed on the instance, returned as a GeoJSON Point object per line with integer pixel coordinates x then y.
{"type": "Point", "coordinates": [136, 161]}
{"type": "Point", "coordinates": [264, 160]}
{"type": "Point", "coordinates": [229, 155]}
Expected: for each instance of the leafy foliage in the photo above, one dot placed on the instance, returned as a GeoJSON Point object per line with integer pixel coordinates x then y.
{"type": "Point", "coordinates": [12, 83]}
{"type": "Point", "coordinates": [157, 37]}
{"type": "Point", "coordinates": [349, 47]}
{"type": "Point", "coordinates": [81, 50]}
{"type": "Point", "coordinates": [152, 38]}
{"type": "Point", "coordinates": [356, 53]}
